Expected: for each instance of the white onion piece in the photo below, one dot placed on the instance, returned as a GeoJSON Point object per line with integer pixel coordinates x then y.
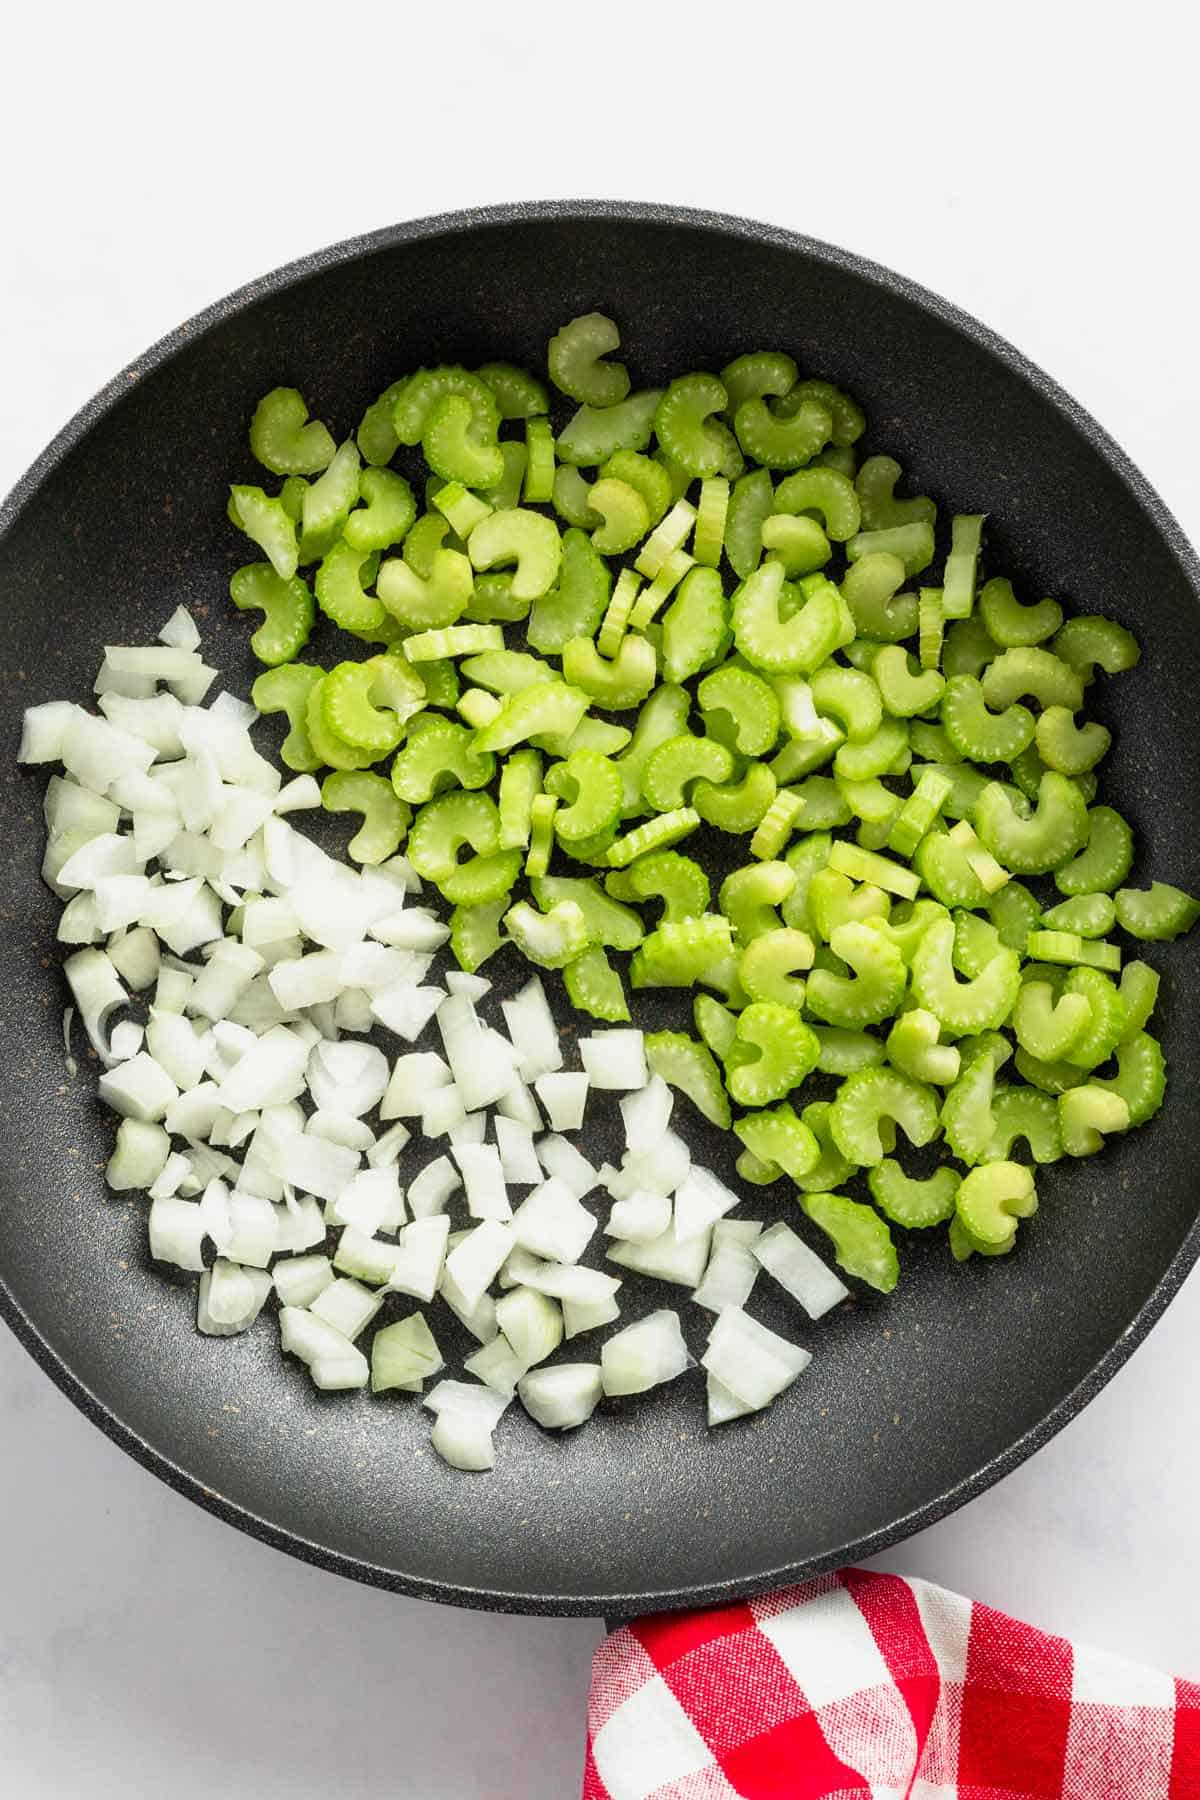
{"type": "Point", "coordinates": [463, 1442]}
{"type": "Point", "coordinates": [416, 928]}
{"type": "Point", "coordinates": [126, 1040]}
{"type": "Point", "coordinates": [136, 958]}
{"type": "Point", "coordinates": [644, 1355]}
{"type": "Point", "coordinates": [181, 630]}
{"type": "Point", "coordinates": [177, 1233]}
{"type": "Point", "coordinates": [615, 1059]}
{"type": "Point", "coordinates": [184, 915]}
{"type": "Point", "coordinates": [562, 1281]}
{"type": "Point", "coordinates": [346, 1305]}
{"type": "Point", "coordinates": [421, 1258]}
{"type": "Point", "coordinates": [229, 1298]}
{"type": "Point", "coordinates": [799, 1270]}
{"type": "Point", "coordinates": [191, 853]}
{"type": "Point", "coordinates": [665, 1258]}
{"type": "Point", "coordinates": [206, 1163]}
{"type": "Point", "coordinates": [700, 1200]}
{"type": "Point", "coordinates": [194, 1113]}
{"type": "Point", "coordinates": [67, 807]}
{"type": "Point", "coordinates": [162, 662]}
{"type": "Point", "coordinates": [174, 1172]}
{"type": "Point", "coordinates": [723, 1405]}
{"type": "Point", "coordinates": [139, 1158]}
{"type": "Point", "coordinates": [119, 900]}
{"type": "Point", "coordinates": [254, 1236]}
{"type": "Point", "coordinates": [753, 1363]}
{"type": "Point", "coordinates": [240, 712]}
{"type": "Point", "coordinates": [374, 967]}
{"type": "Point", "coordinates": [404, 1355]}
{"type": "Point", "coordinates": [155, 720]}
{"type": "Point", "coordinates": [479, 1319]}
{"type": "Point", "coordinates": [564, 1097]}
{"type": "Point", "coordinates": [330, 912]}
{"type": "Point", "coordinates": [341, 1128]}
{"type": "Point", "coordinates": [443, 1110]}
{"type": "Point", "coordinates": [314, 1165]}
{"type": "Point", "coordinates": [268, 920]}
{"type": "Point", "coordinates": [588, 1315]}
{"type": "Point", "coordinates": [414, 1076]}
{"type": "Point", "coordinates": [406, 1010]}
{"type": "Point", "coordinates": [480, 1060]}
{"type": "Point", "coordinates": [44, 731]}
{"type": "Point", "coordinates": [322, 1018]}
{"type": "Point", "coordinates": [172, 988]}
{"type": "Point", "coordinates": [533, 1031]}
{"type": "Point", "coordinates": [323, 1348]}
{"type": "Point", "coordinates": [368, 1200]}
{"type": "Point", "coordinates": [105, 855]}
{"type": "Point", "coordinates": [470, 1130]}
{"type": "Point", "coordinates": [298, 795]}
{"type": "Point", "coordinates": [531, 1323]}
{"type": "Point", "coordinates": [215, 735]}
{"type": "Point", "coordinates": [242, 813]}
{"type": "Point", "coordinates": [352, 1011]}
{"type": "Point", "coordinates": [429, 1191]}
{"type": "Point", "coordinates": [646, 1114]}
{"type": "Point", "coordinates": [641, 1218]}
{"type": "Point", "coordinates": [466, 1400]}
{"type": "Point", "coordinates": [518, 1158]}
{"type": "Point", "coordinates": [551, 1223]}
{"type": "Point", "coordinates": [497, 1365]}
{"type": "Point", "coordinates": [347, 1077]}
{"type": "Point", "coordinates": [519, 1105]}
{"type": "Point", "coordinates": [79, 922]}
{"type": "Point", "coordinates": [307, 980]}
{"type": "Point", "coordinates": [483, 1178]}
{"type": "Point", "coordinates": [268, 1073]}
{"type": "Point", "coordinates": [138, 1089]}
{"type": "Point", "coordinates": [387, 1147]}
{"type": "Point", "coordinates": [474, 987]}
{"type": "Point", "coordinates": [228, 973]}
{"type": "Point", "coordinates": [97, 753]}
{"type": "Point", "coordinates": [475, 1262]}
{"type": "Point", "coordinates": [732, 1266]}
{"type": "Point", "coordinates": [153, 832]}
{"type": "Point", "coordinates": [299, 1226]}
{"type": "Point", "coordinates": [562, 1397]}
{"type": "Point", "coordinates": [559, 1157]}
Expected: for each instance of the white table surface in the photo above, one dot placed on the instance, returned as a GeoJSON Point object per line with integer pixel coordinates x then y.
{"type": "Point", "coordinates": [147, 171]}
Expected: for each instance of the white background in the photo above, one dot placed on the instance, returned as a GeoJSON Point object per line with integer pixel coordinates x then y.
{"type": "Point", "coordinates": [1033, 163]}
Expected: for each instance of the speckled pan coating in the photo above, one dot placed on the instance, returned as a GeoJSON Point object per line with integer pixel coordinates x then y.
{"type": "Point", "coordinates": [910, 1407]}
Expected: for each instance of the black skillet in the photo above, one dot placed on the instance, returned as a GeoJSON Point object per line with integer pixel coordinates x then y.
{"type": "Point", "coordinates": [911, 1406]}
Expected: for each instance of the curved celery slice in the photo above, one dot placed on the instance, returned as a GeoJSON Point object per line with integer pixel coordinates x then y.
{"type": "Point", "coordinates": [327, 745]}
{"type": "Point", "coordinates": [527, 538]}
{"type": "Point", "coordinates": [674, 767]}
{"type": "Point", "coordinates": [424, 602]}
{"type": "Point", "coordinates": [756, 374]}
{"type": "Point", "coordinates": [797, 644]}
{"type": "Point", "coordinates": [787, 1052]}
{"type": "Point", "coordinates": [624, 516]}
{"type": "Point", "coordinates": [287, 689]}
{"type": "Point", "coordinates": [751, 502]}
{"type": "Point", "coordinates": [1071, 749]}
{"type": "Point", "coordinates": [475, 932]}
{"type": "Point", "coordinates": [962, 1006]}
{"type": "Point", "coordinates": [518, 394]}
{"type": "Point", "coordinates": [1139, 993]}
{"type": "Point", "coordinates": [1023, 1112]}
{"type": "Point", "coordinates": [750, 704]}
{"type": "Point", "coordinates": [967, 1109]}
{"type": "Point", "coordinates": [594, 986]}
{"type": "Point", "coordinates": [420, 397]}
{"type": "Point", "coordinates": [1052, 1078]}
{"type": "Point", "coordinates": [871, 590]}
{"type": "Point", "coordinates": [266, 523]}
{"type": "Point", "coordinates": [885, 752]}
{"type": "Point", "coordinates": [575, 606]}
{"type": "Point", "coordinates": [555, 708]}
{"type": "Point", "coordinates": [284, 439]}
{"type": "Point", "coordinates": [822, 490]}
{"type": "Point", "coordinates": [695, 625]}
{"type": "Point", "coordinates": [907, 925]}
{"type": "Point", "coordinates": [768, 964]}
{"type": "Point", "coordinates": [835, 900]}
{"type": "Point", "coordinates": [831, 1167]}
{"type": "Point", "coordinates": [944, 867]}
{"type": "Point", "coordinates": [976, 942]}
{"type": "Point", "coordinates": [455, 445]}
{"type": "Point", "coordinates": [1089, 639]}
{"type": "Point", "coordinates": [910, 1202]}
{"type": "Point", "coordinates": [849, 422]}
{"type": "Point", "coordinates": [1105, 859]}
{"type": "Point", "coordinates": [664, 715]}
{"type": "Point", "coordinates": [853, 699]}
{"type": "Point", "coordinates": [872, 993]}
{"type": "Point", "coordinates": [1086, 1114]}
{"type": "Point", "coordinates": [1011, 625]}
{"type": "Point", "coordinates": [780, 443]}
{"type": "Point", "coordinates": [736, 806]}
{"type": "Point", "coordinates": [1141, 1078]}
{"type": "Point", "coordinates": [341, 593]}
{"type": "Point", "coordinates": [286, 606]}
{"type": "Point", "coordinates": [551, 939]}
{"type": "Point", "coordinates": [609, 923]}
{"type": "Point", "coordinates": [482, 878]}
{"type": "Point", "coordinates": [648, 479]}
{"type": "Point", "coordinates": [596, 433]}
{"type": "Point", "coordinates": [804, 859]}
{"type": "Point", "coordinates": [1034, 672]}
{"type": "Point", "coordinates": [845, 1052]}
{"type": "Point", "coordinates": [1102, 1032]}
{"type": "Point", "coordinates": [682, 953]}
{"type": "Point", "coordinates": [520, 784]}
{"type": "Point", "coordinates": [875, 485]}
{"type": "Point", "coordinates": [750, 896]}
{"type": "Point", "coordinates": [904, 692]}
{"type": "Point", "coordinates": [1091, 915]}
{"type": "Point", "coordinates": [384, 817]}
{"type": "Point", "coordinates": [975, 732]}
{"type": "Point", "coordinates": [326, 502]}
{"type": "Point", "coordinates": [777, 1136]}
{"type": "Point", "coordinates": [682, 427]}
{"type": "Point", "coordinates": [1056, 830]}
{"type": "Point", "coordinates": [507, 491]}
{"type": "Point", "coordinates": [676, 880]}
{"type": "Point", "coordinates": [862, 1243]}
{"type": "Point", "coordinates": [591, 786]}
{"type": "Point", "coordinates": [716, 1024]}
{"type": "Point", "coordinates": [1015, 913]}
{"type": "Point", "coordinates": [991, 1199]}
{"type": "Point", "coordinates": [619, 684]}
{"type": "Point", "coordinates": [1157, 913]}
{"type": "Point", "coordinates": [872, 1095]}
{"type": "Point", "coordinates": [349, 712]}
{"type": "Point", "coordinates": [914, 1047]}
{"type": "Point", "coordinates": [387, 516]}
{"type": "Point", "coordinates": [1046, 1025]}
{"type": "Point", "coordinates": [376, 435]}
{"type": "Point", "coordinates": [438, 755]}
{"type": "Point", "coordinates": [913, 544]}
{"type": "Point", "coordinates": [682, 1062]}
{"type": "Point", "coordinates": [796, 542]}
{"type": "Point", "coordinates": [444, 825]}
{"type": "Point", "coordinates": [574, 358]}
{"type": "Point", "coordinates": [570, 498]}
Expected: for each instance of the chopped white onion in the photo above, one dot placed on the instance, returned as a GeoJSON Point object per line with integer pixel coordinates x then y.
{"type": "Point", "coordinates": [483, 1178]}
{"type": "Point", "coordinates": [181, 630]}
{"type": "Point", "coordinates": [177, 1233]}
{"type": "Point", "coordinates": [98, 993]}
{"type": "Point", "coordinates": [665, 1258]}
{"type": "Point", "coordinates": [497, 1365]}
{"type": "Point", "coordinates": [299, 1279]}
{"type": "Point", "coordinates": [467, 1400]}
{"type": "Point", "coordinates": [406, 1010]}
{"type": "Point", "coordinates": [640, 1219]}
{"type": "Point", "coordinates": [371, 1201]}
{"type": "Point", "coordinates": [615, 1059]}
{"type": "Point", "coordinates": [415, 928]}
{"type": "Point", "coordinates": [799, 1270]}
{"type": "Point", "coordinates": [138, 1089]}
{"type": "Point", "coordinates": [298, 795]}
{"type": "Point", "coordinates": [323, 1348]}
{"type": "Point", "coordinates": [346, 1305]}
{"type": "Point", "coordinates": [387, 1147]}
{"type": "Point", "coordinates": [531, 1323]}
{"type": "Point", "coordinates": [229, 1298]}
{"type": "Point", "coordinates": [518, 1158]}
{"type": "Point", "coordinates": [44, 731]}
{"type": "Point", "coordinates": [562, 1397]}
{"type": "Point", "coordinates": [588, 1315]}
{"type": "Point", "coordinates": [421, 1257]}
{"type": "Point", "coordinates": [414, 1077]}
{"type": "Point", "coordinates": [404, 1355]}
{"type": "Point", "coordinates": [347, 1077]}
{"type": "Point", "coordinates": [475, 1262]}
{"type": "Point", "coordinates": [732, 1266]}
{"type": "Point", "coordinates": [533, 1031]}
{"type": "Point", "coordinates": [314, 1165]}
{"type": "Point", "coordinates": [700, 1200]}
{"type": "Point", "coordinates": [268, 1073]}
{"type": "Point", "coordinates": [307, 980]}
{"type": "Point", "coordinates": [519, 1105]}
{"type": "Point", "coordinates": [342, 1128]}
{"type": "Point", "coordinates": [136, 958]}
{"type": "Point", "coordinates": [754, 1364]}
{"type": "Point", "coordinates": [564, 1097]}
{"type": "Point", "coordinates": [553, 1224]}
{"type": "Point", "coordinates": [139, 1157]}
{"type": "Point", "coordinates": [443, 1110]}
{"type": "Point", "coordinates": [194, 1113]}
{"type": "Point", "coordinates": [645, 1354]}
{"type": "Point", "coordinates": [475, 987]}
{"type": "Point", "coordinates": [646, 1114]}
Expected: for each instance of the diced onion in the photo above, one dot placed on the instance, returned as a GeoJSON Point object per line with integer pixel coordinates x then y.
{"type": "Point", "coordinates": [799, 1270]}
{"type": "Point", "coordinates": [564, 1097]}
{"type": "Point", "coordinates": [644, 1355]}
{"type": "Point", "coordinates": [562, 1397]}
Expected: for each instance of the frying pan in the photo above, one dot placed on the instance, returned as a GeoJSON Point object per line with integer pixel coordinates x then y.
{"type": "Point", "coordinates": [911, 1406]}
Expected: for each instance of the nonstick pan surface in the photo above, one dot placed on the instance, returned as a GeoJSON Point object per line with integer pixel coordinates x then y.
{"type": "Point", "coordinates": [911, 1406]}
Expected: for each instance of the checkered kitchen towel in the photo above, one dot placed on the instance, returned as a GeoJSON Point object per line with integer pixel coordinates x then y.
{"type": "Point", "coordinates": [862, 1685]}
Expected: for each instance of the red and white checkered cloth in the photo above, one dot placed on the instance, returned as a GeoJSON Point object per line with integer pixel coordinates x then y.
{"type": "Point", "coordinates": [869, 1687]}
